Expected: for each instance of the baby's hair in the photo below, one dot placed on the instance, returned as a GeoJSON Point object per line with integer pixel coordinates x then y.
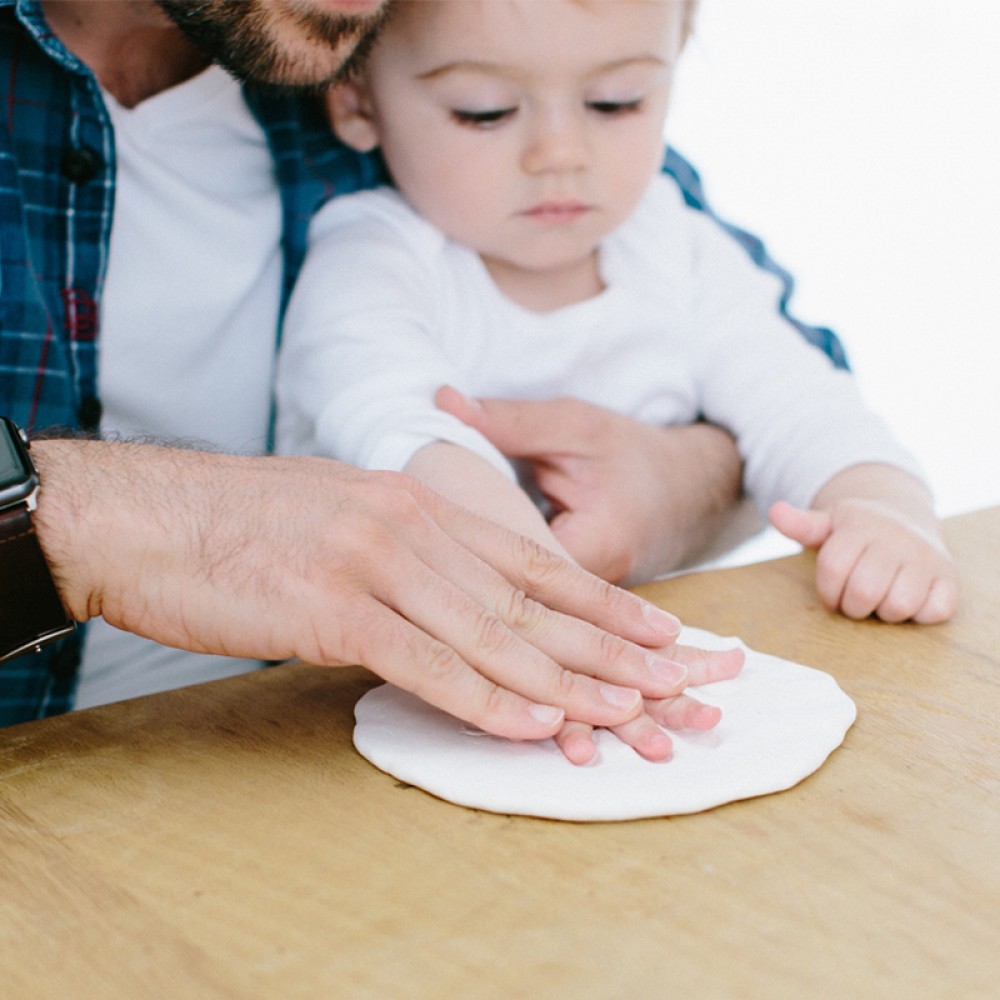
{"type": "Point", "coordinates": [355, 64]}
{"type": "Point", "coordinates": [690, 13]}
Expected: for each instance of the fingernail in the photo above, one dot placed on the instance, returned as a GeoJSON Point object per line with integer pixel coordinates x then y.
{"type": "Point", "coordinates": [548, 715]}
{"type": "Point", "coordinates": [660, 618]}
{"type": "Point", "coordinates": [668, 671]}
{"type": "Point", "coordinates": [620, 697]}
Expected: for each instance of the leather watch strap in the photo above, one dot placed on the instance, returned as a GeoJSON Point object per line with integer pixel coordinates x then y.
{"type": "Point", "coordinates": [31, 613]}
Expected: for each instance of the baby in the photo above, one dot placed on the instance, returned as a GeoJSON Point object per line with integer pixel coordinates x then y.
{"type": "Point", "coordinates": [532, 249]}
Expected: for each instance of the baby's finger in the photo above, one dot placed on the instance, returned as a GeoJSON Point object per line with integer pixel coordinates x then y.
{"type": "Point", "coordinates": [646, 738]}
{"type": "Point", "coordinates": [869, 584]}
{"type": "Point", "coordinates": [834, 565]}
{"type": "Point", "coordinates": [576, 740]}
{"type": "Point", "coordinates": [941, 603]}
{"type": "Point", "coordinates": [906, 595]}
{"type": "Point", "coordinates": [683, 712]}
{"type": "Point", "coordinates": [810, 528]}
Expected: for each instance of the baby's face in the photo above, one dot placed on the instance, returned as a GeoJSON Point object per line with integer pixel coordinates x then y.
{"type": "Point", "coordinates": [525, 129]}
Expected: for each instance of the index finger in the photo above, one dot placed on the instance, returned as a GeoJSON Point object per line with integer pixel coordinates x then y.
{"type": "Point", "coordinates": [405, 655]}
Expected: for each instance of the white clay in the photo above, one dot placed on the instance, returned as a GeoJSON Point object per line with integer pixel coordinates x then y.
{"type": "Point", "coordinates": [780, 722]}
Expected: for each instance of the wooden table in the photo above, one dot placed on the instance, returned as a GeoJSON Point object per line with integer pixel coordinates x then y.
{"type": "Point", "coordinates": [227, 841]}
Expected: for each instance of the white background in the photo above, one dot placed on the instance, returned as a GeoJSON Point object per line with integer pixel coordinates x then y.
{"type": "Point", "coordinates": [861, 140]}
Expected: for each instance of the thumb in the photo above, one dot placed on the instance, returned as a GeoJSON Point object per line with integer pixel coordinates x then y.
{"type": "Point", "coordinates": [518, 428]}
{"type": "Point", "coordinates": [810, 528]}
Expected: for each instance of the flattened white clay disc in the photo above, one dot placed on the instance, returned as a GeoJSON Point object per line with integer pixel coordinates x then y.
{"type": "Point", "coordinates": [780, 722]}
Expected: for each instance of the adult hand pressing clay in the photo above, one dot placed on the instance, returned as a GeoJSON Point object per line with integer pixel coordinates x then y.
{"type": "Point", "coordinates": [780, 722]}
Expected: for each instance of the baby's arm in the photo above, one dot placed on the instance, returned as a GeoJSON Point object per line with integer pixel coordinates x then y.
{"type": "Point", "coordinates": [880, 547]}
{"type": "Point", "coordinates": [468, 479]}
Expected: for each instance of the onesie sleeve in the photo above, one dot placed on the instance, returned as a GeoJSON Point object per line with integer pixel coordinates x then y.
{"type": "Point", "coordinates": [689, 183]}
{"type": "Point", "coordinates": [359, 361]}
{"type": "Point", "coordinates": [797, 419]}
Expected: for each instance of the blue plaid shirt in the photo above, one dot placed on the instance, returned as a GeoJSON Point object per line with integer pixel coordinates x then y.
{"type": "Point", "coordinates": [57, 187]}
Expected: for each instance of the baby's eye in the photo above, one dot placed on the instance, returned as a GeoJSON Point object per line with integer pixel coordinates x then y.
{"type": "Point", "coordinates": [612, 108]}
{"type": "Point", "coordinates": [483, 119]}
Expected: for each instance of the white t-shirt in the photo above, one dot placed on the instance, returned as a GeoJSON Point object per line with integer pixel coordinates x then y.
{"type": "Point", "coordinates": [189, 317]}
{"type": "Point", "coordinates": [387, 309]}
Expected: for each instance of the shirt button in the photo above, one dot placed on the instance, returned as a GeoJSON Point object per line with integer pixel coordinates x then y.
{"type": "Point", "coordinates": [80, 164]}
{"type": "Point", "coordinates": [89, 414]}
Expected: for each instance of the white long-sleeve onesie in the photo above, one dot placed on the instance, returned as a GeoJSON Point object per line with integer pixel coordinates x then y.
{"type": "Point", "coordinates": [387, 310]}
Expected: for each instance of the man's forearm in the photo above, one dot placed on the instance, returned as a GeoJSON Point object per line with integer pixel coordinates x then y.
{"type": "Point", "coordinates": [705, 473]}
{"type": "Point", "coordinates": [80, 486]}
{"type": "Point", "coordinates": [274, 558]}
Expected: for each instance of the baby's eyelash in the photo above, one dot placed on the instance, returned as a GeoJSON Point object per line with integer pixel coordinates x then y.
{"type": "Point", "coordinates": [482, 119]}
{"type": "Point", "coordinates": [615, 107]}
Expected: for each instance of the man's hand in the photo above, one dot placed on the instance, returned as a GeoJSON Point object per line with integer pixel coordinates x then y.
{"type": "Point", "coordinates": [274, 558]}
{"type": "Point", "coordinates": [631, 501]}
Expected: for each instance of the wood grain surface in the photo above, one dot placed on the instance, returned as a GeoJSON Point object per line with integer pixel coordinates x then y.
{"type": "Point", "coordinates": [227, 841]}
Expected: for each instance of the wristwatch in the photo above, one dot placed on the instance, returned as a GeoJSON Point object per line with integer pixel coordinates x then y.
{"type": "Point", "coordinates": [31, 613]}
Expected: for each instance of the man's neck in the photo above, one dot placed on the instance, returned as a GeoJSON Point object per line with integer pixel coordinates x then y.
{"type": "Point", "coordinates": [131, 45]}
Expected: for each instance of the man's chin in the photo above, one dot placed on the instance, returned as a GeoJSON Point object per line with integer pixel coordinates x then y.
{"type": "Point", "coordinates": [254, 42]}
{"type": "Point", "coordinates": [304, 73]}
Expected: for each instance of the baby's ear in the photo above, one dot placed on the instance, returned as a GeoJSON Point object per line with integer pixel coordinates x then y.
{"type": "Point", "coordinates": [352, 116]}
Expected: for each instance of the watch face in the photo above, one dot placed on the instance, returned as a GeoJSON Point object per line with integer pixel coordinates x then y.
{"type": "Point", "coordinates": [17, 478]}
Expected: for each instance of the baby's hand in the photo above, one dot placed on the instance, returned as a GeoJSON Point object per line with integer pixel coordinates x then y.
{"type": "Point", "coordinates": [645, 732]}
{"type": "Point", "coordinates": [874, 559]}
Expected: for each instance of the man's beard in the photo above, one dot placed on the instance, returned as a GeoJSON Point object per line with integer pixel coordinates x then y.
{"type": "Point", "coordinates": [242, 37]}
